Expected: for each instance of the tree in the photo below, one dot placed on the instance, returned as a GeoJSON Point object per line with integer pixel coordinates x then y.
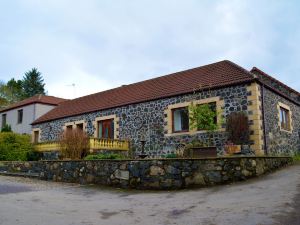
{"type": "Point", "coordinates": [33, 83]}
{"type": "Point", "coordinates": [13, 90]}
{"type": "Point", "coordinates": [10, 92]}
{"type": "Point", "coordinates": [3, 100]}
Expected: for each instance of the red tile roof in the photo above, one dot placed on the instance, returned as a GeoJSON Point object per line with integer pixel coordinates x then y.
{"type": "Point", "coordinates": [214, 75]}
{"type": "Point", "coordinates": [255, 70]}
{"type": "Point", "coordinates": [42, 99]}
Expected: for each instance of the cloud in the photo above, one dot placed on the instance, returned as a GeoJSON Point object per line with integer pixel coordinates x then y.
{"type": "Point", "coordinates": [102, 44]}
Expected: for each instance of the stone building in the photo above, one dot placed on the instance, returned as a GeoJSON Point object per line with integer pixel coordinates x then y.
{"type": "Point", "coordinates": [155, 110]}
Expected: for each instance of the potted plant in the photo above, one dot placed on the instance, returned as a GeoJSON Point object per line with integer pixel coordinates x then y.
{"type": "Point", "coordinates": [237, 128]}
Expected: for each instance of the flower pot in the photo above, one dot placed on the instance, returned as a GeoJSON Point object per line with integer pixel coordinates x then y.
{"type": "Point", "coordinates": [233, 149]}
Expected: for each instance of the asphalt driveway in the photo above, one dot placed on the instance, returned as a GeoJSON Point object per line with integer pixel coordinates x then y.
{"type": "Point", "coordinates": [272, 199]}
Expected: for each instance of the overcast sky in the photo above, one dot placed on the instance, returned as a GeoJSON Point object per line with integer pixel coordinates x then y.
{"type": "Point", "coordinates": [98, 44]}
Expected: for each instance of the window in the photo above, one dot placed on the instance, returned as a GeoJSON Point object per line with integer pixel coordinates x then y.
{"type": "Point", "coordinates": [180, 119]}
{"type": "Point", "coordinates": [3, 120]}
{"type": "Point", "coordinates": [69, 128]}
{"type": "Point", "coordinates": [79, 126]}
{"type": "Point", "coordinates": [20, 116]}
{"type": "Point", "coordinates": [36, 135]}
{"type": "Point", "coordinates": [285, 119]}
{"type": "Point", "coordinates": [106, 129]}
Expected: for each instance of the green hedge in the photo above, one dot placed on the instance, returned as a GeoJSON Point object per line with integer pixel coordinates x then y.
{"type": "Point", "coordinates": [15, 147]}
{"type": "Point", "coordinates": [105, 156]}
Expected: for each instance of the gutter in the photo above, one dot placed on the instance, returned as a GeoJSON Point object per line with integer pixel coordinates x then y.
{"type": "Point", "coordinates": [263, 118]}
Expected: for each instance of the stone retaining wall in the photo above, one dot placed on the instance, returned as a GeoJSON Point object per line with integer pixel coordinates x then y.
{"type": "Point", "coordinates": [151, 174]}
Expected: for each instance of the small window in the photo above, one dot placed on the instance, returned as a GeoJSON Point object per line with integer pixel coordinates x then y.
{"type": "Point", "coordinates": [20, 116]}
{"type": "Point", "coordinates": [3, 120]}
{"type": "Point", "coordinates": [180, 120]}
{"type": "Point", "coordinates": [79, 126]}
{"type": "Point", "coordinates": [36, 135]}
{"type": "Point", "coordinates": [69, 128]}
{"type": "Point", "coordinates": [285, 119]}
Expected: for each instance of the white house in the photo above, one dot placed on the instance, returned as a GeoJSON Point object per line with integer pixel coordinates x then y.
{"type": "Point", "coordinates": [21, 114]}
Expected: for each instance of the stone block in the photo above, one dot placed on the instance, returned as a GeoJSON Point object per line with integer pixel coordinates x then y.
{"type": "Point", "coordinates": [121, 174]}
{"type": "Point", "coordinates": [156, 170]}
{"type": "Point", "coordinates": [196, 179]}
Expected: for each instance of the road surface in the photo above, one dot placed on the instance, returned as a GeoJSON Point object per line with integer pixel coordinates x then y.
{"type": "Point", "coordinates": [271, 199]}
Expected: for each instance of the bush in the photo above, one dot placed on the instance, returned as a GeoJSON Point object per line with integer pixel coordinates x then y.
{"type": "Point", "coordinates": [296, 157]}
{"type": "Point", "coordinates": [105, 156]}
{"type": "Point", "coordinates": [237, 127]}
{"type": "Point", "coordinates": [171, 156]}
{"type": "Point", "coordinates": [15, 147]}
{"type": "Point", "coordinates": [6, 128]}
{"type": "Point", "coordinates": [74, 144]}
{"type": "Point", "coordinates": [34, 156]}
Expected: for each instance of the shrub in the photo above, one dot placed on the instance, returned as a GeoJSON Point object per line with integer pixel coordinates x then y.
{"type": "Point", "coordinates": [15, 147]}
{"type": "Point", "coordinates": [6, 128]}
{"type": "Point", "coordinates": [202, 117]}
{"type": "Point", "coordinates": [205, 117]}
{"type": "Point", "coordinates": [74, 144]}
{"type": "Point", "coordinates": [34, 156]}
{"type": "Point", "coordinates": [171, 156]}
{"type": "Point", "coordinates": [105, 156]}
{"type": "Point", "coordinates": [237, 127]}
{"type": "Point", "coordinates": [296, 157]}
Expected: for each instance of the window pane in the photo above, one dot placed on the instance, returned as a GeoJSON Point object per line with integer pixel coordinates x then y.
{"type": "Point", "coordinates": [284, 118]}
{"type": "Point", "coordinates": [79, 126]}
{"type": "Point", "coordinates": [106, 129]}
{"type": "Point", "coordinates": [185, 119]}
{"type": "Point", "coordinates": [3, 120]}
{"type": "Point", "coordinates": [100, 130]}
{"type": "Point", "coordinates": [20, 116]}
{"type": "Point", "coordinates": [69, 128]}
{"type": "Point", "coordinates": [180, 119]}
{"type": "Point", "coordinates": [177, 120]}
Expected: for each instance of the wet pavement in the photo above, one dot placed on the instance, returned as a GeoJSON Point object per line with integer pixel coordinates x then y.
{"type": "Point", "coordinates": [271, 199]}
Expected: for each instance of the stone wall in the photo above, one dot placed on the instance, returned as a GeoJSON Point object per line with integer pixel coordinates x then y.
{"type": "Point", "coordinates": [279, 141]}
{"type": "Point", "coordinates": [153, 119]}
{"type": "Point", "coordinates": [151, 174]}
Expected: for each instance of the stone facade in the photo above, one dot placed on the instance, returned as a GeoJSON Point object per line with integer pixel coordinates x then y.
{"type": "Point", "coordinates": [279, 141]}
{"type": "Point", "coordinates": [154, 121]}
{"type": "Point", "coordinates": [152, 115]}
{"type": "Point", "coordinates": [149, 174]}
